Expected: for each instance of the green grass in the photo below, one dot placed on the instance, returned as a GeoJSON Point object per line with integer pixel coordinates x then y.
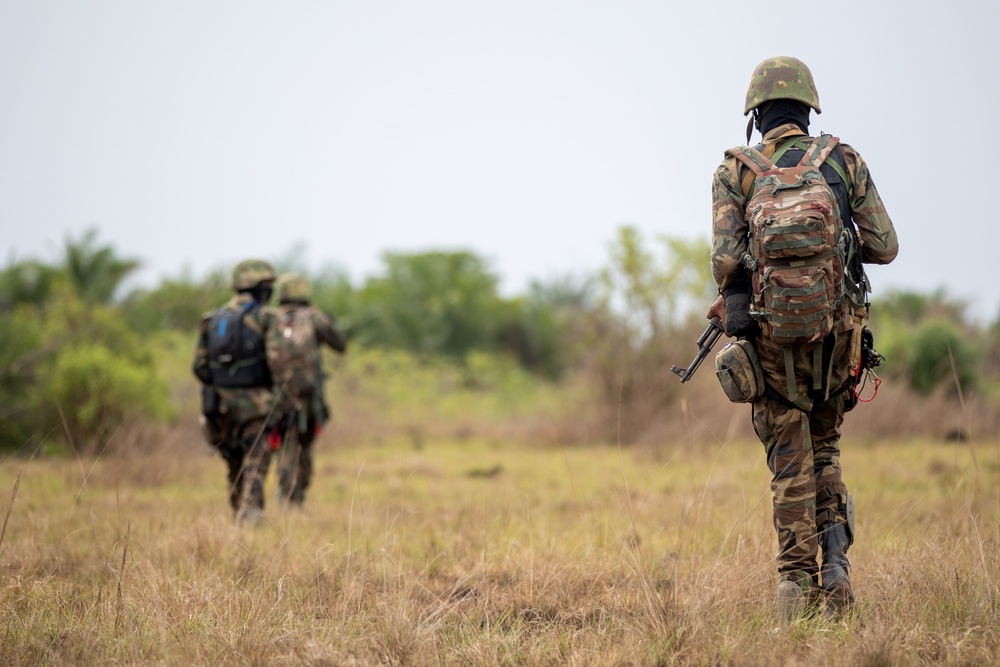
{"type": "Point", "coordinates": [483, 553]}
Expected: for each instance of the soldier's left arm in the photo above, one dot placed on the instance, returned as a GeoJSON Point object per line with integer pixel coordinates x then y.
{"type": "Point", "coordinates": [879, 244]}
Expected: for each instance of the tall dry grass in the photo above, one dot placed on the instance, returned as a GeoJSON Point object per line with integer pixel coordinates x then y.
{"type": "Point", "coordinates": [484, 552]}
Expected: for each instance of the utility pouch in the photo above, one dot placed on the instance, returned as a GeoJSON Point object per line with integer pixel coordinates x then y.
{"type": "Point", "coordinates": [739, 372]}
{"type": "Point", "coordinates": [859, 317]}
{"type": "Point", "coordinates": [210, 403]}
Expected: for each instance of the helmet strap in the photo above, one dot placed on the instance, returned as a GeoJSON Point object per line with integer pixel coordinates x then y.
{"type": "Point", "coordinates": [755, 117]}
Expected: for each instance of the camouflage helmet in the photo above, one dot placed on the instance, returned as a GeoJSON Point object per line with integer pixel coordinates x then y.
{"type": "Point", "coordinates": [292, 287]}
{"type": "Point", "coordinates": [251, 272]}
{"type": "Point", "coordinates": [781, 78]}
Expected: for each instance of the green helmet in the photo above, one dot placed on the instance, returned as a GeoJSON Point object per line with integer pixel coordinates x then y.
{"type": "Point", "coordinates": [781, 78]}
{"type": "Point", "coordinates": [251, 272]}
{"type": "Point", "coordinates": [292, 287]}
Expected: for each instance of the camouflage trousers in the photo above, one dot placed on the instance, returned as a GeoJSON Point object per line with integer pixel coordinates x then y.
{"type": "Point", "coordinates": [798, 421]}
{"type": "Point", "coordinates": [248, 456]}
{"type": "Point", "coordinates": [296, 458]}
{"type": "Point", "coordinates": [245, 447]}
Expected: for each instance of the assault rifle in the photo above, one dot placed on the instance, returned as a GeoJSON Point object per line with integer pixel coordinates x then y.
{"type": "Point", "coordinates": [706, 341]}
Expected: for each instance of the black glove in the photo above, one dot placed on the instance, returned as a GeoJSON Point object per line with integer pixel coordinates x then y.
{"type": "Point", "coordinates": [738, 320]}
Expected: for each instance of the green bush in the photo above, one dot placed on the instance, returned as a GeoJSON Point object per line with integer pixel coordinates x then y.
{"type": "Point", "coordinates": [175, 303]}
{"type": "Point", "coordinates": [442, 303]}
{"type": "Point", "coordinates": [73, 370]}
{"type": "Point", "coordinates": [20, 349]}
{"type": "Point", "coordinates": [94, 390]}
{"type": "Point", "coordinates": [940, 353]}
{"type": "Point", "coordinates": [928, 341]}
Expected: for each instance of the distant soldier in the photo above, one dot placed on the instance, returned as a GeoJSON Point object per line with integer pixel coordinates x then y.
{"type": "Point", "coordinates": [238, 406]}
{"type": "Point", "coordinates": [794, 218]}
{"type": "Point", "coordinates": [294, 355]}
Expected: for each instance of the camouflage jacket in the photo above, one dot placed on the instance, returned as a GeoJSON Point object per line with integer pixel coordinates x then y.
{"type": "Point", "coordinates": [730, 228]}
{"type": "Point", "coordinates": [241, 405]}
{"type": "Point", "coordinates": [326, 332]}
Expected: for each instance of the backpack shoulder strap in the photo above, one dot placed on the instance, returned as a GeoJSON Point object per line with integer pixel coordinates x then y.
{"type": "Point", "coordinates": [819, 150]}
{"type": "Point", "coordinates": [756, 160]}
{"type": "Point", "coordinates": [782, 146]}
{"type": "Point", "coordinates": [836, 162]}
{"type": "Point", "coordinates": [752, 158]}
{"type": "Point", "coordinates": [774, 150]}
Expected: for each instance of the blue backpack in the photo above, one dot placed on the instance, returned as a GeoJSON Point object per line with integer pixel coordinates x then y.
{"type": "Point", "coordinates": [236, 352]}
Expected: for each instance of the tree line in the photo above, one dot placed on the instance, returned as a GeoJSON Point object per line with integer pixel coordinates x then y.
{"type": "Point", "coordinates": [78, 357]}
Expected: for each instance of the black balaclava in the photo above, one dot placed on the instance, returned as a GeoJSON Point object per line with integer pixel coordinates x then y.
{"type": "Point", "coordinates": [261, 292]}
{"type": "Point", "coordinates": [778, 112]}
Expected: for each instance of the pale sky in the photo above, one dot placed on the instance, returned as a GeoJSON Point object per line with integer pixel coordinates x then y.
{"type": "Point", "coordinates": [194, 133]}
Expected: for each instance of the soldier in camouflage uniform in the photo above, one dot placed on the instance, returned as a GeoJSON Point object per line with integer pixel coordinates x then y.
{"type": "Point", "coordinates": [303, 402]}
{"type": "Point", "coordinates": [245, 408]}
{"type": "Point", "coordinates": [808, 387]}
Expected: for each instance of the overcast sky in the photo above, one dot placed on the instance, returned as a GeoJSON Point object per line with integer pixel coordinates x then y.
{"type": "Point", "coordinates": [195, 133]}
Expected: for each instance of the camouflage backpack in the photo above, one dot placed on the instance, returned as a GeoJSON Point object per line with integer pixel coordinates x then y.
{"type": "Point", "coordinates": [292, 353]}
{"type": "Point", "coordinates": [797, 245]}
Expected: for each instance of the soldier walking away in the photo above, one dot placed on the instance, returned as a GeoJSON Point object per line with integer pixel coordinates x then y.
{"type": "Point", "coordinates": [295, 359]}
{"type": "Point", "coordinates": [794, 218]}
{"type": "Point", "coordinates": [238, 406]}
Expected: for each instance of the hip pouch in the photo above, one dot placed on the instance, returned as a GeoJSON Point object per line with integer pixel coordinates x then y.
{"type": "Point", "coordinates": [739, 372]}
{"type": "Point", "coordinates": [858, 317]}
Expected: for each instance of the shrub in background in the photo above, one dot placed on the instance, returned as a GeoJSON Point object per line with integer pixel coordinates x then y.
{"type": "Point", "coordinates": [176, 303]}
{"type": "Point", "coordinates": [928, 341]}
{"type": "Point", "coordinates": [442, 303]}
{"type": "Point", "coordinates": [76, 371]}
{"type": "Point", "coordinates": [640, 330]}
{"type": "Point", "coordinates": [94, 391]}
{"type": "Point", "coordinates": [942, 354]}
{"type": "Point", "coordinates": [20, 349]}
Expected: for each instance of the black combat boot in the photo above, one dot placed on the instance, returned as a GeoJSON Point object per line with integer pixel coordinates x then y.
{"type": "Point", "coordinates": [835, 540]}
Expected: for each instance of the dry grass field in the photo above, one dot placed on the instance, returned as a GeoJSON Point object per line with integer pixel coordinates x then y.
{"type": "Point", "coordinates": [487, 552]}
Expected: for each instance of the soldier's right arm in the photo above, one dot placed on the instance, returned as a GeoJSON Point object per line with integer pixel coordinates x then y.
{"type": "Point", "coordinates": [200, 363]}
{"type": "Point", "coordinates": [729, 226]}
{"type": "Point", "coordinates": [327, 332]}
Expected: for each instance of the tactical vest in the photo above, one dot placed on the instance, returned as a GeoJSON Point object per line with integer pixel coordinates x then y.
{"type": "Point", "coordinates": [236, 353]}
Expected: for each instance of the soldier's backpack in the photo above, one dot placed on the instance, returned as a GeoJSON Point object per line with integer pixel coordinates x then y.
{"type": "Point", "coordinates": [797, 245]}
{"type": "Point", "coordinates": [292, 353]}
{"type": "Point", "coordinates": [236, 354]}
